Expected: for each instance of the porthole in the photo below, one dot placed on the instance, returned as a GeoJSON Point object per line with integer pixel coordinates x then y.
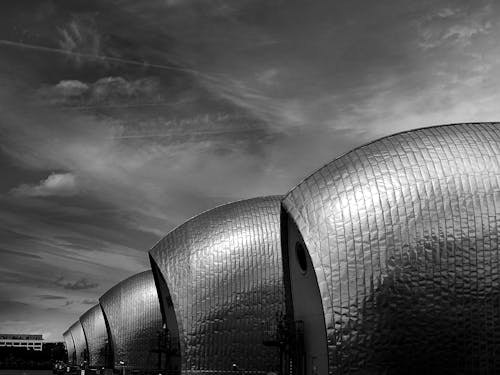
{"type": "Point", "coordinates": [300, 253]}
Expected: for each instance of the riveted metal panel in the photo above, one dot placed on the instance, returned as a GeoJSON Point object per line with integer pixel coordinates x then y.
{"type": "Point", "coordinates": [133, 313]}
{"type": "Point", "coordinates": [94, 327]}
{"type": "Point", "coordinates": [80, 342]}
{"type": "Point", "coordinates": [70, 346]}
{"type": "Point", "coordinates": [224, 273]}
{"type": "Point", "coordinates": [403, 235]}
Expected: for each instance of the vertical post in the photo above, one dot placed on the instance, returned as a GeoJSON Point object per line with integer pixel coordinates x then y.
{"type": "Point", "coordinates": [159, 349]}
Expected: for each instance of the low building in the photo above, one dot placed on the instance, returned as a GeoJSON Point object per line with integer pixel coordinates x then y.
{"type": "Point", "coordinates": [30, 342]}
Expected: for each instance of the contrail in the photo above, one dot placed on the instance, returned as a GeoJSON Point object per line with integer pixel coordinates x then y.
{"type": "Point", "coordinates": [100, 57]}
{"type": "Point", "coordinates": [183, 133]}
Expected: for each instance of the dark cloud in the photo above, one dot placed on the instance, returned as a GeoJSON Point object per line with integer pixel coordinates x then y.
{"type": "Point", "coordinates": [11, 306]}
{"type": "Point", "coordinates": [19, 253]}
{"type": "Point", "coordinates": [50, 297]}
{"type": "Point", "coordinates": [80, 284]}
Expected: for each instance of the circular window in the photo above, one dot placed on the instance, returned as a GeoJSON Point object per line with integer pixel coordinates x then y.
{"type": "Point", "coordinates": [300, 253]}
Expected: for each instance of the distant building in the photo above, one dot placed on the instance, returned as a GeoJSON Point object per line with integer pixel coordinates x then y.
{"type": "Point", "coordinates": [34, 342]}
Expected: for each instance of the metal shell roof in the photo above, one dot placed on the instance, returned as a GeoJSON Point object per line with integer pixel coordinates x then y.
{"type": "Point", "coordinates": [224, 274]}
{"type": "Point", "coordinates": [94, 327]}
{"type": "Point", "coordinates": [403, 236]}
{"type": "Point", "coordinates": [70, 345]}
{"type": "Point", "coordinates": [80, 342]}
{"type": "Point", "coordinates": [132, 311]}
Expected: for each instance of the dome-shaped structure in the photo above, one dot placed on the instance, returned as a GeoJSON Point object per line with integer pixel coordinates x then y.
{"type": "Point", "coordinates": [70, 347]}
{"type": "Point", "coordinates": [392, 258]}
{"type": "Point", "coordinates": [78, 336]}
{"type": "Point", "coordinates": [132, 311]}
{"type": "Point", "coordinates": [94, 327]}
{"type": "Point", "coordinates": [219, 277]}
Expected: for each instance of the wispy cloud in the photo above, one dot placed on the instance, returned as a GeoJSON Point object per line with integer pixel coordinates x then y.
{"type": "Point", "coordinates": [81, 37]}
{"type": "Point", "coordinates": [455, 26]}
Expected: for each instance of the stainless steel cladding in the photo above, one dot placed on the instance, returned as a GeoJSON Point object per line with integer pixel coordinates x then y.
{"type": "Point", "coordinates": [132, 311]}
{"type": "Point", "coordinates": [80, 342]}
{"type": "Point", "coordinates": [402, 237]}
{"type": "Point", "coordinates": [94, 327]}
{"type": "Point", "coordinates": [223, 274]}
{"type": "Point", "coordinates": [70, 347]}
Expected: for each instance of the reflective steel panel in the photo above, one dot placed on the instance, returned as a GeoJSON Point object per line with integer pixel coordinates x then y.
{"type": "Point", "coordinates": [402, 235]}
{"type": "Point", "coordinates": [94, 327]}
{"type": "Point", "coordinates": [224, 275]}
{"type": "Point", "coordinates": [70, 346]}
{"type": "Point", "coordinates": [80, 342]}
{"type": "Point", "coordinates": [133, 314]}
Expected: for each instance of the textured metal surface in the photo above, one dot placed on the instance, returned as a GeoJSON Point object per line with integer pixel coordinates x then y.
{"type": "Point", "coordinates": [223, 269]}
{"type": "Point", "coordinates": [80, 342]}
{"type": "Point", "coordinates": [96, 334]}
{"type": "Point", "coordinates": [133, 313]}
{"type": "Point", "coordinates": [403, 236]}
{"type": "Point", "coordinates": [70, 346]}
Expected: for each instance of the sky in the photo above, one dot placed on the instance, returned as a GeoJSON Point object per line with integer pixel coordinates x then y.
{"type": "Point", "coordinates": [121, 119]}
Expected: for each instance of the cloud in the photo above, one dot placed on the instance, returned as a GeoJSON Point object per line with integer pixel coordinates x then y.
{"type": "Point", "coordinates": [80, 284]}
{"type": "Point", "coordinates": [89, 302]}
{"type": "Point", "coordinates": [104, 91]}
{"type": "Point", "coordinates": [65, 91]}
{"type": "Point", "coordinates": [57, 184]}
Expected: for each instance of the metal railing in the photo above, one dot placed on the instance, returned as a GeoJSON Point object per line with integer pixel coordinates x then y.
{"type": "Point", "coordinates": [288, 336]}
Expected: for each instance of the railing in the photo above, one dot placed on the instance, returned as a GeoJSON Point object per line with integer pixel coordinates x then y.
{"type": "Point", "coordinates": [288, 336]}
